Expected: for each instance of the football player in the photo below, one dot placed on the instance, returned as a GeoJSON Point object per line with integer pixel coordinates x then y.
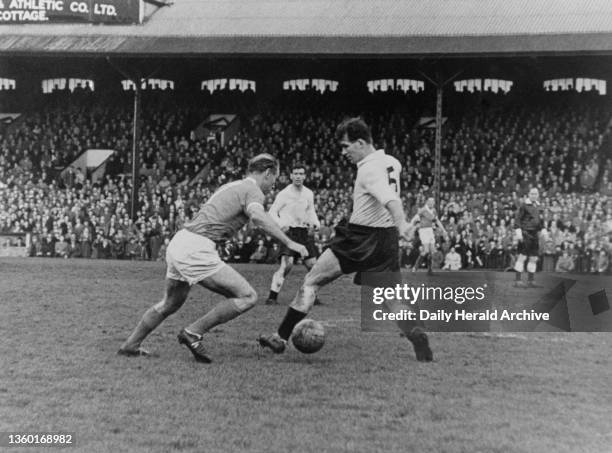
{"type": "Point", "coordinates": [369, 242]}
{"type": "Point", "coordinates": [192, 258]}
{"type": "Point", "coordinates": [293, 209]}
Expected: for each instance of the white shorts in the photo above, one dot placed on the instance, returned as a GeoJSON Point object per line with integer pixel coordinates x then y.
{"type": "Point", "coordinates": [191, 257]}
{"type": "Point", "coordinates": [426, 235]}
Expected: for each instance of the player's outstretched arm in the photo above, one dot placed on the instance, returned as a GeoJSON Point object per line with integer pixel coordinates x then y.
{"type": "Point", "coordinates": [262, 220]}
{"type": "Point", "coordinates": [441, 227]}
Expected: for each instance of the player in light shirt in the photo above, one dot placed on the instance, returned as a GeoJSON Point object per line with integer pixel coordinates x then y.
{"type": "Point", "coordinates": [293, 209]}
{"type": "Point", "coordinates": [369, 242]}
{"type": "Point", "coordinates": [192, 258]}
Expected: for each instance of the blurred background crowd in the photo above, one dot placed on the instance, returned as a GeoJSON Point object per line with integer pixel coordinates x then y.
{"type": "Point", "coordinates": [495, 147]}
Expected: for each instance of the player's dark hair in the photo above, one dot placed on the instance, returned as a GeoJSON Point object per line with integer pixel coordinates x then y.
{"type": "Point", "coordinates": [355, 129]}
{"type": "Point", "coordinates": [298, 166]}
{"type": "Point", "coordinates": [261, 163]}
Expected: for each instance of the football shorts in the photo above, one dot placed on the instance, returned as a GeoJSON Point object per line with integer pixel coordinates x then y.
{"type": "Point", "coordinates": [191, 257]}
{"type": "Point", "coordinates": [529, 246]}
{"type": "Point", "coordinates": [301, 236]}
{"type": "Point", "coordinates": [426, 235]}
{"type": "Point", "coordinates": [366, 249]}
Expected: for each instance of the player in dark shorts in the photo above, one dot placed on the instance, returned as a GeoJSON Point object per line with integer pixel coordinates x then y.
{"type": "Point", "coordinates": [528, 224]}
{"type": "Point", "coordinates": [301, 236]}
{"type": "Point", "coordinates": [294, 211]}
{"type": "Point", "coordinates": [369, 242]}
{"type": "Point", "coordinates": [360, 248]}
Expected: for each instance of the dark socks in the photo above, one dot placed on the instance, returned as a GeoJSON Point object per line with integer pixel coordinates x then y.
{"type": "Point", "coordinates": [292, 317]}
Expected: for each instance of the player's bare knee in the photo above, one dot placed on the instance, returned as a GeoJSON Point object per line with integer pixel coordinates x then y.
{"type": "Point", "coordinates": [311, 284]}
{"type": "Point", "coordinates": [246, 301]}
{"type": "Point", "coordinates": [305, 298]}
{"type": "Point", "coordinates": [168, 306]}
{"type": "Point", "coordinates": [312, 279]}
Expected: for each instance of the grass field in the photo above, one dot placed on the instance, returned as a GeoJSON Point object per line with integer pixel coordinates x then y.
{"type": "Point", "coordinates": [62, 322]}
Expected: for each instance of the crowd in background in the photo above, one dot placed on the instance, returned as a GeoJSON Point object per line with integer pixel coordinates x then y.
{"type": "Point", "coordinates": [495, 148]}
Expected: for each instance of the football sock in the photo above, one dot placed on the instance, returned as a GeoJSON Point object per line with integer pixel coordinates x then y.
{"type": "Point", "coordinates": [405, 326]}
{"type": "Point", "coordinates": [149, 321]}
{"type": "Point", "coordinates": [517, 276]}
{"type": "Point", "coordinates": [273, 295]}
{"type": "Point", "coordinates": [292, 317]}
{"type": "Point", "coordinates": [277, 282]}
{"type": "Point", "coordinates": [220, 314]}
{"type": "Point", "coordinates": [193, 334]}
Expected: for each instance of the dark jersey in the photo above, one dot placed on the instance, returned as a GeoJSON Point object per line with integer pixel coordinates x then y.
{"type": "Point", "coordinates": [529, 216]}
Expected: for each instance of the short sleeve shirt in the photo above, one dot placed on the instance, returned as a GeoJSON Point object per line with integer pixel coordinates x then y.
{"type": "Point", "coordinates": [226, 211]}
{"type": "Point", "coordinates": [377, 183]}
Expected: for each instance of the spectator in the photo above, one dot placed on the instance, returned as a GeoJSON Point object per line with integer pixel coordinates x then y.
{"type": "Point", "coordinates": [61, 247]}
{"type": "Point", "coordinates": [452, 260]}
{"type": "Point", "coordinates": [273, 254]}
{"type": "Point", "coordinates": [601, 262]}
{"type": "Point", "coordinates": [260, 253]}
{"type": "Point", "coordinates": [565, 263]}
{"type": "Point", "coordinates": [437, 258]}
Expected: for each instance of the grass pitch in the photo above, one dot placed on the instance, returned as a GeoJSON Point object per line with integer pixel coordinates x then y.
{"type": "Point", "coordinates": [63, 320]}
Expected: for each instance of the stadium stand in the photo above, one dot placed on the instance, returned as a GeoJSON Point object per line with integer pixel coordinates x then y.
{"type": "Point", "coordinates": [496, 146]}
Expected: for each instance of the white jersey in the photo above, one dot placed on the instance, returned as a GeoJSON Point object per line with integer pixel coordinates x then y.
{"type": "Point", "coordinates": [377, 183]}
{"type": "Point", "coordinates": [294, 208]}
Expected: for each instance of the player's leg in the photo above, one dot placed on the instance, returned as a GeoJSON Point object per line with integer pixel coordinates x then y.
{"type": "Point", "coordinates": [241, 297]}
{"type": "Point", "coordinates": [279, 278]}
{"type": "Point", "coordinates": [174, 297]}
{"type": "Point", "coordinates": [417, 263]}
{"type": "Point", "coordinates": [414, 331]}
{"type": "Point", "coordinates": [532, 266]}
{"type": "Point", "coordinates": [519, 265]}
{"type": "Point", "coordinates": [532, 252]}
{"type": "Point", "coordinates": [325, 270]}
{"type": "Point", "coordinates": [309, 263]}
{"type": "Point", "coordinates": [430, 250]}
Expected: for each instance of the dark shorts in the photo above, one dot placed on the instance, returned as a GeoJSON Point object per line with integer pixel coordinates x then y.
{"type": "Point", "coordinates": [529, 245]}
{"type": "Point", "coordinates": [301, 236]}
{"type": "Point", "coordinates": [366, 249]}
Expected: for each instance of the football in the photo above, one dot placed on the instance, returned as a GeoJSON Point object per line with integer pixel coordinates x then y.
{"type": "Point", "coordinates": [308, 336]}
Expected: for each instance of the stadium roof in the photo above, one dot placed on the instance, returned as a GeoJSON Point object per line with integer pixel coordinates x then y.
{"type": "Point", "coordinates": [334, 27]}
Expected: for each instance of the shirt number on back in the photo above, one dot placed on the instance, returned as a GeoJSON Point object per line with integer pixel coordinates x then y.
{"type": "Point", "coordinates": [392, 175]}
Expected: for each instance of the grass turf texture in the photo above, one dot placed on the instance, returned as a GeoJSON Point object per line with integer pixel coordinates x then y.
{"type": "Point", "coordinates": [63, 320]}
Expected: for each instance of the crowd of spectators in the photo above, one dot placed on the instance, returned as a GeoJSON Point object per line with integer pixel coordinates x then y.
{"type": "Point", "coordinates": [495, 147]}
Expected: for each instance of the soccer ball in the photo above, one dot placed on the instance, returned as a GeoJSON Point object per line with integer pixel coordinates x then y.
{"type": "Point", "coordinates": [308, 336]}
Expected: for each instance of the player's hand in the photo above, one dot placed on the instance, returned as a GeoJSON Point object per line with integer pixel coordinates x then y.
{"type": "Point", "coordinates": [406, 230]}
{"type": "Point", "coordinates": [298, 248]}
